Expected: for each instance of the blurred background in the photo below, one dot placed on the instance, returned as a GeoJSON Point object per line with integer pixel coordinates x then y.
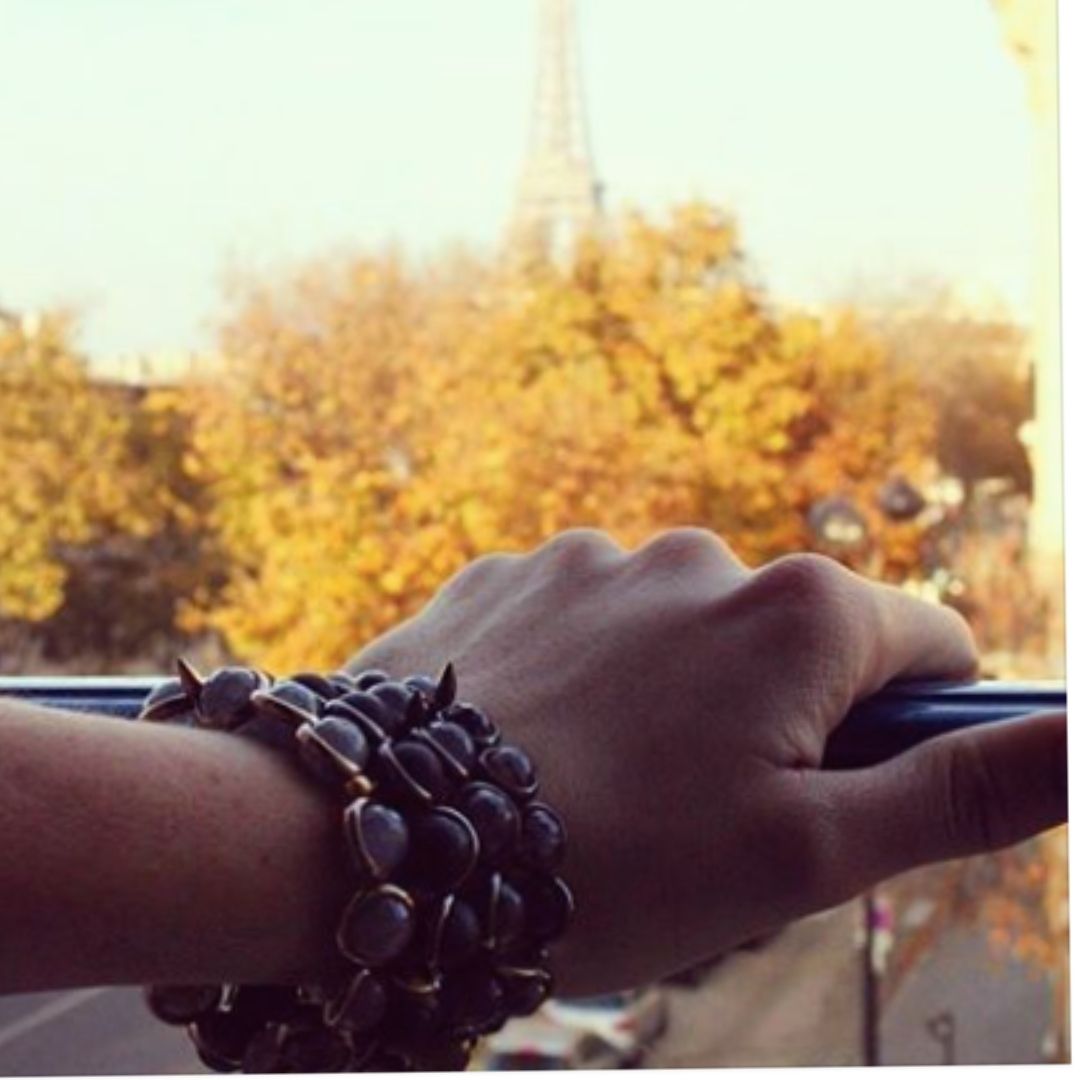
{"type": "Point", "coordinates": [305, 305]}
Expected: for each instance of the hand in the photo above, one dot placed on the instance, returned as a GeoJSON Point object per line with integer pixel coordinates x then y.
{"type": "Point", "coordinates": [677, 705]}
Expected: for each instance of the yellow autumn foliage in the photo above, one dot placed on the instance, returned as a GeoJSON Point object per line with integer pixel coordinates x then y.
{"type": "Point", "coordinates": [377, 425]}
{"type": "Point", "coordinates": [66, 476]}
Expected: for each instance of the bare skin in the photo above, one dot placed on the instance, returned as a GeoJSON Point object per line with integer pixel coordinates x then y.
{"type": "Point", "coordinates": [677, 706]}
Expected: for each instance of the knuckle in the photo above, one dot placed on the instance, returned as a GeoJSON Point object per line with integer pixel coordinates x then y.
{"type": "Point", "coordinates": [477, 572]}
{"type": "Point", "coordinates": [577, 546]}
{"type": "Point", "coordinates": [812, 593]}
{"type": "Point", "coordinates": [675, 547]}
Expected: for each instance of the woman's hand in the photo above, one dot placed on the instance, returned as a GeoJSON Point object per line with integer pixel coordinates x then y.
{"type": "Point", "coordinates": [677, 706]}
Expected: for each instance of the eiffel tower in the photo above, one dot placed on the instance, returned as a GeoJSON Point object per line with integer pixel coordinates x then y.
{"type": "Point", "coordinates": [558, 194]}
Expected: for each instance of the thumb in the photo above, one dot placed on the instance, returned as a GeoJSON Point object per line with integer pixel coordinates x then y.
{"type": "Point", "coordinates": [960, 794]}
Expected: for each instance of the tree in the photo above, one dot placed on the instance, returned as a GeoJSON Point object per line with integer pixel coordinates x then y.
{"type": "Point", "coordinates": [65, 482]}
{"type": "Point", "coordinates": [974, 365]}
{"type": "Point", "coordinates": [377, 425]}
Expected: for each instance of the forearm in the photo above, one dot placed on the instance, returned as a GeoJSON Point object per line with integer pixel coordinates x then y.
{"type": "Point", "coordinates": [134, 853]}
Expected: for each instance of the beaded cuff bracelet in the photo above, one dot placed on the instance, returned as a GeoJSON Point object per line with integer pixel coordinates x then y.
{"type": "Point", "coordinates": [453, 857]}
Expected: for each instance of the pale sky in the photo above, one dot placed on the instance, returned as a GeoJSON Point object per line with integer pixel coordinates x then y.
{"type": "Point", "coordinates": [147, 145]}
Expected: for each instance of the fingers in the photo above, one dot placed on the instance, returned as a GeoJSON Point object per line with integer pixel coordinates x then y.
{"type": "Point", "coordinates": [961, 794]}
{"type": "Point", "coordinates": [916, 640]}
{"type": "Point", "coordinates": [856, 634]}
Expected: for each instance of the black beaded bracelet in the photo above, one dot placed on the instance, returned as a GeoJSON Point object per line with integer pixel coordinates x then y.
{"type": "Point", "coordinates": [454, 860]}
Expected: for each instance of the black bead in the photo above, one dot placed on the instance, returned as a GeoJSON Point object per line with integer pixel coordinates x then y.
{"type": "Point", "coordinates": [461, 937]}
{"type": "Point", "coordinates": [314, 1048]}
{"type": "Point", "coordinates": [424, 683]}
{"type": "Point", "coordinates": [416, 711]}
{"type": "Point", "coordinates": [363, 711]}
{"type": "Point", "coordinates": [493, 815]}
{"type": "Point", "coordinates": [365, 680]}
{"type": "Point", "coordinates": [444, 1055]}
{"type": "Point", "coordinates": [476, 723]}
{"type": "Point", "coordinates": [221, 1038]}
{"type": "Point", "coordinates": [342, 682]}
{"type": "Point", "coordinates": [361, 1006]}
{"type": "Point", "coordinates": [443, 850]}
{"type": "Point", "coordinates": [527, 953]}
{"type": "Point", "coordinates": [225, 698]}
{"type": "Point", "coordinates": [167, 700]}
{"type": "Point", "coordinates": [454, 744]}
{"type": "Point", "coordinates": [263, 1053]}
{"type": "Point", "coordinates": [363, 1046]}
{"type": "Point", "coordinates": [543, 837]}
{"type": "Point", "coordinates": [548, 905]}
{"type": "Point", "coordinates": [411, 771]}
{"type": "Point", "coordinates": [478, 1004]}
{"type": "Point", "coordinates": [455, 934]}
{"type": "Point", "coordinates": [372, 704]}
{"type": "Point", "coordinates": [394, 697]}
{"type": "Point", "coordinates": [213, 1060]}
{"type": "Point", "coordinates": [332, 748]}
{"type": "Point", "coordinates": [524, 989]}
{"type": "Point", "coordinates": [506, 916]}
{"type": "Point", "coordinates": [386, 1061]}
{"type": "Point", "coordinates": [318, 684]}
{"type": "Point", "coordinates": [377, 926]}
{"type": "Point", "coordinates": [511, 769]}
{"type": "Point", "coordinates": [263, 1003]}
{"type": "Point", "coordinates": [376, 837]}
{"type": "Point", "coordinates": [411, 1020]}
{"type": "Point", "coordinates": [182, 1004]}
{"type": "Point", "coordinates": [297, 695]}
{"type": "Point", "coordinates": [291, 702]}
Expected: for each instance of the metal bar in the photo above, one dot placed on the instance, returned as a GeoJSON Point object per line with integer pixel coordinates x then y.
{"type": "Point", "coordinates": [896, 719]}
{"type": "Point", "coordinates": [905, 714]}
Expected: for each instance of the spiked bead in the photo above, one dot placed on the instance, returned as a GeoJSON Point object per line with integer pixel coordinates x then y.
{"type": "Point", "coordinates": [446, 689]}
{"type": "Point", "coordinates": [225, 699]}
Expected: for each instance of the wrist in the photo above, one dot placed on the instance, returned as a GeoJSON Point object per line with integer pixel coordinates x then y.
{"type": "Point", "coordinates": [449, 864]}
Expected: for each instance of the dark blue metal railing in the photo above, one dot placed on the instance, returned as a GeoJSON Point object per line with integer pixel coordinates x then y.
{"type": "Point", "coordinates": [899, 717]}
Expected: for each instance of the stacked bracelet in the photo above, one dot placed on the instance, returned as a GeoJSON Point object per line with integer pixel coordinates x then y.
{"type": "Point", "coordinates": [453, 858]}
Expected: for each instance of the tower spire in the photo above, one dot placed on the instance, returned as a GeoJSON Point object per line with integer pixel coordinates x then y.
{"type": "Point", "coordinates": [558, 194]}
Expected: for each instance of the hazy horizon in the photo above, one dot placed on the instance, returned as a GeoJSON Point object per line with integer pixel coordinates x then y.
{"type": "Point", "coordinates": [859, 143]}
